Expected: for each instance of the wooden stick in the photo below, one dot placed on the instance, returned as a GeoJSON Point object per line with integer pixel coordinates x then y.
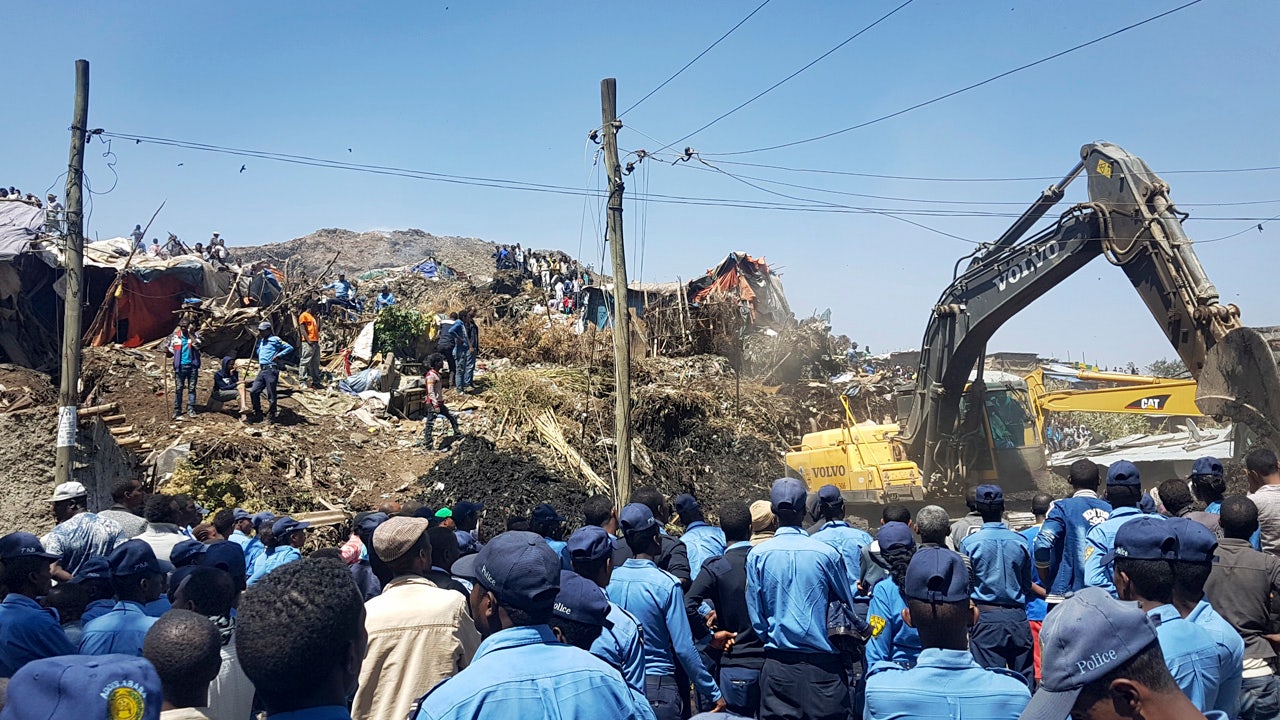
{"type": "Point", "coordinates": [99, 409]}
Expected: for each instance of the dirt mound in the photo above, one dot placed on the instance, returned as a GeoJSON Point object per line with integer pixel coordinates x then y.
{"type": "Point", "coordinates": [26, 446]}
{"type": "Point", "coordinates": [359, 252]}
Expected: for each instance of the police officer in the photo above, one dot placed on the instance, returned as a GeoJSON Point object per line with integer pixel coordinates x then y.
{"type": "Point", "coordinates": [892, 638]}
{"type": "Point", "coordinates": [138, 580]}
{"type": "Point", "coordinates": [945, 675]}
{"type": "Point", "coordinates": [28, 632]}
{"type": "Point", "coordinates": [107, 686]}
{"type": "Point", "coordinates": [1196, 547]}
{"type": "Point", "coordinates": [1145, 549]}
{"type": "Point", "coordinates": [1124, 490]}
{"type": "Point", "coordinates": [521, 670]}
{"type": "Point", "coordinates": [1102, 659]}
{"type": "Point", "coordinates": [790, 581]}
{"type": "Point", "coordinates": [1208, 483]}
{"type": "Point", "coordinates": [849, 541]}
{"type": "Point", "coordinates": [1001, 562]}
{"type": "Point", "coordinates": [654, 597]}
{"type": "Point", "coordinates": [1060, 547]}
{"type": "Point", "coordinates": [620, 644]}
{"type": "Point", "coordinates": [702, 541]}
{"type": "Point", "coordinates": [269, 351]}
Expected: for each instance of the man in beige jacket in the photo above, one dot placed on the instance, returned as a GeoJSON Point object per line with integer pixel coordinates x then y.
{"type": "Point", "coordinates": [419, 634]}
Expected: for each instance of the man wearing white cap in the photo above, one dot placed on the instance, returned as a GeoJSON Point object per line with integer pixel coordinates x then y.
{"type": "Point", "coordinates": [79, 534]}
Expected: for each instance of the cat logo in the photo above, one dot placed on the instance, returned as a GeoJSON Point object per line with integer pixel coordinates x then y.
{"type": "Point", "coordinates": [877, 624]}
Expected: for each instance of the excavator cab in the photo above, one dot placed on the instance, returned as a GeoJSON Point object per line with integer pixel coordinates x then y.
{"type": "Point", "coordinates": [998, 438]}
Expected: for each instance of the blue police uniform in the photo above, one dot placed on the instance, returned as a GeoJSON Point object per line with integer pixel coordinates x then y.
{"type": "Point", "coordinates": [120, 631]}
{"type": "Point", "coordinates": [849, 542]}
{"type": "Point", "coordinates": [253, 551]}
{"type": "Point", "coordinates": [944, 684]}
{"type": "Point", "coordinates": [96, 609]}
{"type": "Point", "coordinates": [622, 646]}
{"type": "Point", "coordinates": [270, 561]}
{"type": "Point", "coordinates": [1001, 565]}
{"type": "Point", "coordinates": [1191, 655]}
{"type": "Point", "coordinates": [523, 672]}
{"type": "Point", "coordinates": [1230, 649]}
{"type": "Point", "coordinates": [1102, 540]}
{"type": "Point", "coordinates": [892, 639]}
{"type": "Point", "coordinates": [158, 607]}
{"type": "Point", "coordinates": [561, 549]}
{"type": "Point", "coordinates": [1036, 606]}
{"type": "Point", "coordinates": [28, 632]}
{"type": "Point", "coordinates": [241, 539]}
{"type": "Point", "coordinates": [1062, 544]}
{"type": "Point", "coordinates": [703, 542]}
{"type": "Point", "coordinates": [790, 579]}
{"type": "Point", "coordinates": [655, 599]}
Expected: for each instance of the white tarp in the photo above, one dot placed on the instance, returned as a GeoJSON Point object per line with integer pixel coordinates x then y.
{"type": "Point", "coordinates": [20, 223]}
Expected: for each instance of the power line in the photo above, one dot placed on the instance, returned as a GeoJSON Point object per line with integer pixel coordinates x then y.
{"type": "Point", "coordinates": [881, 176]}
{"type": "Point", "coordinates": [695, 59]}
{"type": "Point", "coordinates": [813, 62]}
{"type": "Point", "coordinates": [1239, 233]}
{"type": "Point", "coordinates": [953, 93]}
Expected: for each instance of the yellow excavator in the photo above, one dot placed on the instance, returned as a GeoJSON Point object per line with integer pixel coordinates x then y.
{"type": "Point", "coordinates": [960, 425]}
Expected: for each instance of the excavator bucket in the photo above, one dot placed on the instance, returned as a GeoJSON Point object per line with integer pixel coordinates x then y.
{"type": "Point", "coordinates": [1240, 381]}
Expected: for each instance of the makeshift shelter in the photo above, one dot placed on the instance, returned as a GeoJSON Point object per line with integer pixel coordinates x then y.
{"type": "Point", "coordinates": [749, 280]}
{"type": "Point", "coordinates": [596, 301]}
{"type": "Point", "coordinates": [20, 225]}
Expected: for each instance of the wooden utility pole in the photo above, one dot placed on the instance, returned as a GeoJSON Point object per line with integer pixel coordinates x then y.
{"type": "Point", "coordinates": [621, 313]}
{"type": "Point", "coordinates": [73, 272]}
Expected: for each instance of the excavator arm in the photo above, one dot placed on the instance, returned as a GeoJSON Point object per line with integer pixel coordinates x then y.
{"type": "Point", "coordinates": [1131, 221]}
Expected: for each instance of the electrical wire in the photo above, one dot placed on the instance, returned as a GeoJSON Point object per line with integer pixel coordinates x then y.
{"type": "Point", "coordinates": [695, 59]}
{"type": "Point", "coordinates": [1237, 234]}
{"type": "Point", "coordinates": [964, 89]}
{"type": "Point", "coordinates": [811, 63]}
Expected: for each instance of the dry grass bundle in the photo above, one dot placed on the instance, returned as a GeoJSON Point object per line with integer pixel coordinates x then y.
{"type": "Point", "coordinates": [531, 340]}
{"type": "Point", "coordinates": [526, 393]}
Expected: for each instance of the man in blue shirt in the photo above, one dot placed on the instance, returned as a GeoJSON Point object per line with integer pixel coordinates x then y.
{"type": "Point", "coordinates": [702, 541]}
{"type": "Point", "coordinates": [1001, 563]}
{"type": "Point", "coordinates": [466, 526]}
{"type": "Point", "coordinates": [1124, 490]}
{"type": "Point", "coordinates": [834, 531]}
{"type": "Point", "coordinates": [1061, 546]}
{"type": "Point", "coordinates": [254, 549]}
{"type": "Point", "coordinates": [946, 675]}
{"type": "Point", "coordinates": [723, 586]}
{"type": "Point", "coordinates": [184, 346]}
{"type": "Point", "coordinates": [300, 639]}
{"type": "Point", "coordinates": [521, 669]}
{"type": "Point", "coordinates": [242, 526]}
{"type": "Point", "coordinates": [1037, 608]}
{"type": "Point", "coordinates": [791, 579]}
{"type": "Point", "coordinates": [674, 558]}
{"type": "Point", "coordinates": [1145, 549]}
{"type": "Point", "coordinates": [138, 580]}
{"type": "Point", "coordinates": [1196, 547]}
{"type": "Point", "coordinates": [27, 631]}
{"type": "Point", "coordinates": [656, 600]}
{"type": "Point", "coordinates": [1208, 483]}
{"type": "Point", "coordinates": [545, 521]}
{"type": "Point", "coordinates": [621, 644]}
{"type": "Point", "coordinates": [1102, 660]}
{"type": "Point", "coordinates": [270, 351]}
{"type": "Point", "coordinates": [343, 293]}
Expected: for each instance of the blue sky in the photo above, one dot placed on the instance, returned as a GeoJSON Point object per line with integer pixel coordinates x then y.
{"type": "Point", "coordinates": [509, 90]}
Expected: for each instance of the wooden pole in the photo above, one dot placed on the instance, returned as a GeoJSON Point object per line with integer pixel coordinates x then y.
{"type": "Point", "coordinates": [621, 314]}
{"type": "Point", "coordinates": [73, 272]}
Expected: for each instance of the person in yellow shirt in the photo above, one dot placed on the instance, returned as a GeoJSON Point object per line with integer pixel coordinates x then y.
{"type": "Point", "coordinates": [309, 348]}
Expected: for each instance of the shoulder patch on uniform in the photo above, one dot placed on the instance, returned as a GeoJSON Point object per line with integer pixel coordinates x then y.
{"type": "Point", "coordinates": [1088, 551]}
{"type": "Point", "coordinates": [877, 624]}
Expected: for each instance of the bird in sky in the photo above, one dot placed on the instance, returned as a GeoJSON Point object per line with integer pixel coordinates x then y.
{"type": "Point", "coordinates": [242, 168]}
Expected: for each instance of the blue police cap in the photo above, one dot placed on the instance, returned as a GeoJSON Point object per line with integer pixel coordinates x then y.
{"type": "Point", "coordinates": [1123, 472]}
{"type": "Point", "coordinates": [266, 516]}
{"type": "Point", "coordinates": [1196, 543]}
{"type": "Point", "coordinates": [177, 576]}
{"type": "Point", "coordinates": [581, 600]}
{"type": "Point", "coordinates": [467, 543]}
{"type": "Point", "coordinates": [1087, 636]}
{"type": "Point", "coordinates": [1207, 466]}
{"type": "Point", "coordinates": [240, 514]}
{"type": "Point", "coordinates": [286, 526]}
{"type": "Point", "coordinates": [521, 569]}
{"type": "Point", "coordinates": [466, 509]}
{"type": "Point", "coordinates": [93, 568]}
{"type": "Point", "coordinates": [1149, 537]}
{"type": "Point", "coordinates": [829, 495]}
{"type": "Point", "coordinates": [895, 534]}
{"type": "Point", "coordinates": [84, 686]}
{"type": "Point", "coordinates": [686, 505]}
{"type": "Point", "coordinates": [989, 496]}
{"type": "Point", "coordinates": [636, 517]}
{"type": "Point", "coordinates": [788, 494]}
{"type": "Point", "coordinates": [590, 544]}
{"type": "Point", "coordinates": [225, 555]}
{"type": "Point", "coordinates": [133, 557]}
{"type": "Point", "coordinates": [366, 523]}
{"type": "Point", "coordinates": [187, 552]}
{"type": "Point", "coordinates": [544, 513]}
{"type": "Point", "coordinates": [465, 567]}
{"type": "Point", "coordinates": [937, 575]}
{"type": "Point", "coordinates": [23, 544]}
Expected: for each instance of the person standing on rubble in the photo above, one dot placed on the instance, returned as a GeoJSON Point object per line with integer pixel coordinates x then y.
{"type": "Point", "coordinates": [184, 347]}
{"type": "Point", "coordinates": [457, 333]}
{"type": "Point", "coordinates": [435, 402]}
{"type": "Point", "coordinates": [308, 348]}
{"type": "Point", "coordinates": [269, 350]}
{"type": "Point", "coordinates": [473, 349]}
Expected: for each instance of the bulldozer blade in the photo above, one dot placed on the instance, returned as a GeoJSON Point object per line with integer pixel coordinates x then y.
{"type": "Point", "coordinates": [1240, 381]}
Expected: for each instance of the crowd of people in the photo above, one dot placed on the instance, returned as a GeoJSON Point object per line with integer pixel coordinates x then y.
{"type": "Point", "coordinates": [54, 213]}
{"type": "Point", "coordinates": [559, 276]}
{"type": "Point", "coordinates": [1061, 436]}
{"type": "Point", "coordinates": [784, 610]}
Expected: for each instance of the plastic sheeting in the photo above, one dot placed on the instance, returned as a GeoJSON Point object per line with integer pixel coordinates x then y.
{"type": "Point", "coordinates": [20, 223]}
